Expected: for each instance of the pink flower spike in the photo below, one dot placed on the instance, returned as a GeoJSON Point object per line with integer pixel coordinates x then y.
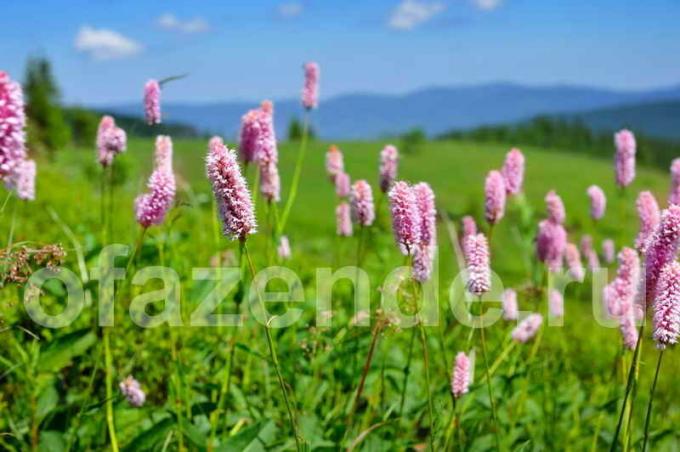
{"type": "Point", "coordinates": [163, 153]}
{"type": "Point", "coordinates": [283, 249]}
{"type": "Point", "coordinates": [586, 244]}
{"type": "Point", "coordinates": [625, 157]}
{"type": "Point", "coordinates": [667, 306]}
{"type": "Point", "coordinates": [427, 213]}
{"type": "Point", "coordinates": [494, 197]}
{"type": "Point", "coordinates": [151, 207]}
{"type": "Point", "coordinates": [621, 293]}
{"type": "Point", "coordinates": [12, 126]}
{"type": "Point", "coordinates": [22, 180]}
{"type": "Point", "coordinates": [608, 250]}
{"type": "Point", "coordinates": [423, 259]}
{"type": "Point", "coordinates": [551, 243]}
{"type": "Point", "coordinates": [513, 171]}
{"type": "Point", "coordinates": [510, 310]}
{"type": "Point", "coordinates": [249, 135]}
{"type": "Point", "coordinates": [310, 91]}
{"type": "Point", "coordinates": [361, 201]}
{"type": "Point", "coordinates": [556, 303]}
{"type": "Point", "coordinates": [461, 376]}
{"type": "Point", "coordinates": [662, 248]}
{"type": "Point", "coordinates": [477, 259]}
{"type": "Point", "coordinates": [132, 391]}
{"type": "Point", "coordinates": [111, 141]}
{"type": "Point", "coordinates": [555, 207]}
{"type": "Point", "coordinates": [573, 259]}
{"type": "Point", "coordinates": [334, 162]}
{"type": "Point", "coordinates": [230, 190]}
{"type": "Point", "coordinates": [598, 202]}
{"type": "Point", "coordinates": [343, 220]}
{"type": "Point", "coordinates": [527, 328]}
{"type": "Point", "coordinates": [674, 195]}
{"type": "Point", "coordinates": [648, 212]}
{"type": "Point", "coordinates": [593, 261]}
{"type": "Point", "coordinates": [405, 217]}
{"type": "Point", "coordinates": [152, 102]}
{"type": "Point", "coordinates": [342, 185]}
{"type": "Point", "coordinates": [389, 160]}
{"type": "Point", "coordinates": [267, 154]}
{"type": "Point", "coordinates": [469, 226]}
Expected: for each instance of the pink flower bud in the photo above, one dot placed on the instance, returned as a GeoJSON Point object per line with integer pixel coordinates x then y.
{"type": "Point", "coordinates": [334, 162]}
{"type": "Point", "coordinates": [469, 226]}
{"type": "Point", "coordinates": [662, 248]}
{"type": "Point", "coordinates": [556, 303]}
{"type": "Point", "coordinates": [625, 157]}
{"type": "Point", "coordinates": [163, 153]}
{"type": "Point", "coordinates": [310, 91]}
{"type": "Point", "coordinates": [461, 376]}
{"type": "Point", "coordinates": [405, 218]}
{"type": "Point", "coordinates": [389, 160]}
{"type": "Point", "coordinates": [477, 259]}
{"type": "Point", "coordinates": [550, 244]}
{"type": "Point", "coordinates": [513, 171]}
{"type": "Point", "coordinates": [555, 207]}
{"type": "Point", "coordinates": [527, 328]}
{"type": "Point", "coordinates": [608, 250]}
{"type": "Point", "coordinates": [648, 212]}
{"type": "Point", "coordinates": [132, 391]}
{"type": "Point", "coordinates": [151, 207]}
{"type": "Point", "coordinates": [342, 185]}
{"type": "Point", "coordinates": [667, 306]}
{"type": "Point", "coordinates": [494, 195]}
{"type": "Point", "coordinates": [598, 202]}
{"type": "Point", "coordinates": [510, 310]}
{"type": "Point", "coordinates": [573, 259]}
{"type": "Point", "coordinates": [283, 249]}
{"type": "Point", "coordinates": [152, 102]}
{"type": "Point", "coordinates": [361, 201]}
{"type": "Point", "coordinates": [343, 220]}
{"type": "Point", "coordinates": [111, 140]}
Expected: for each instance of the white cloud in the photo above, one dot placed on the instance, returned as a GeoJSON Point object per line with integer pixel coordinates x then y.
{"type": "Point", "coordinates": [487, 5]}
{"type": "Point", "coordinates": [171, 22]}
{"type": "Point", "coordinates": [412, 13]}
{"type": "Point", "coordinates": [290, 10]}
{"type": "Point", "coordinates": [105, 44]}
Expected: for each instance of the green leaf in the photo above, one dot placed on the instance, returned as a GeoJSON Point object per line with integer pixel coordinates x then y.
{"type": "Point", "coordinates": [151, 437]}
{"type": "Point", "coordinates": [195, 436]}
{"type": "Point", "coordinates": [253, 436]}
{"type": "Point", "coordinates": [47, 401]}
{"type": "Point", "coordinates": [51, 441]}
{"type": "Point", "coordinates": [63, 349]}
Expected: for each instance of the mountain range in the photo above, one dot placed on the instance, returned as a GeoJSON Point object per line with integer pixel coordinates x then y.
{"type": "Point", "coordinates": [440, 109]}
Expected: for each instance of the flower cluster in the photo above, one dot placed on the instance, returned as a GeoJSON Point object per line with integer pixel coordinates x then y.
{"type": "Point", "coordinates": [132, 391]}
{"type": "Point", "coordinates": [405, 218]}
{"type": "Point", "coordinates": [667, 306]}
{"type": "Point", "coordinates": [111, 140]}
{"type": "Point", "coordinates": [624, 162]}
{"type": "Point", "coordinates": [513, 171]}
{"type": "Point", "coordinates": [648, 212]}
{"type": "Point", "coordinates": [527, 328]}
{"type": "Point", "coordinates": [310, 90]}
{"type": "Point", "coordinates": [477, 260]}
{"type": "Point", "coordinates": [462, 375]}
{"type": "Point", "coordinates": [12, 126]}
{"type": "Point", "coordinates": [152, 102]}
{"type": "Point", "coordinates": [494, 197]}
{"type": "Point", "coordinates": [361, 202]}
{"type": "Point", "coordinates": [598, 202]}
{"type": "Point", "coordinates": [389, 160]}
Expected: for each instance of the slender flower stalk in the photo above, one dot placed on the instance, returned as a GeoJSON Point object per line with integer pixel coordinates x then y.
{"type": "Point", "coordinates": [624, 161]}
{"type": "Point", "coordinates": [648, 417]}
{"type": "Point", "coordinates": [648, 212]}
{"type": "Point", "coordinates": [494, 197]}
{"type": "Point", "coordinates": [152, 102]}
{"type": "Point", "coordinates": [389, 161]}
{"type": "Point", "coordinates": [513, 171]}
{"type": "Point", "coordinates": [598, 202]}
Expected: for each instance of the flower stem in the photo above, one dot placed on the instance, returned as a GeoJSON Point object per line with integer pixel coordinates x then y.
{"type": "Point", "coordinates": [651, 399]}
{"type": "Point", "coordinates": [426, 362]}
{"type": "Point", "coordinates": [488, 386]}
{"type": "Point", "coordinates": [629, 385]}
{"type": "Point", "coordinates": [273, 356]}
{"type": "Point", "coordinates": [407, 371]}
{"type": "Point", "coordinates": [109, 391]}
{"type": "Point", "coordinates": [296, 175]}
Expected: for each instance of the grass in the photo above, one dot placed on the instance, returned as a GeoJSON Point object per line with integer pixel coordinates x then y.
{"type": "Point", "coordinates": [561, 390]}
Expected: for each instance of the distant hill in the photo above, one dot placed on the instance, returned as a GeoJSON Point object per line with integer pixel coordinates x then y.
{"type": "Point", "coordinates": [658, 119]}
{"type": "Point", "coordinates": [435, 110]}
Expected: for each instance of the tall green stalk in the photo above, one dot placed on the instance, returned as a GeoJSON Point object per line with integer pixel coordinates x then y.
{"type": "Point", "coordinates": [296, 175]}
{"type": "Point", "coordinates": [488, 387]}
{"type": "Point", "coordinates": [108, 361]}
{"type": "Point", "coordinates": [651, 399]}
{"type": "Point", "coordinates": [273, 356]}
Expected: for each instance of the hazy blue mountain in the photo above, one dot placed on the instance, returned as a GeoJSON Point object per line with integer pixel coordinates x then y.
{"type": "Point", "coordinates": [435, 109]}
{"type": "Point", "coordinates": [658, 119]}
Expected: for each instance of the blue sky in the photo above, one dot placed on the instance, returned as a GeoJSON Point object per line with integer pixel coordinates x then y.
{"type": "Point", "coordinates": [104, 50]}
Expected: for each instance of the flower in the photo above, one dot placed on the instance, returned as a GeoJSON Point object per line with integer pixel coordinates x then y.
{"type": "Point", "coordinates": [310, 90]}
{"type": "Point", "coordinates": [593, 260]}
{"type": "Point", "coordinates": [361, 201]}
{"type": "Point", "coordinates": [405, 218]}
{"type": "Point", "coordinates": [667, 306]}
{"type": "Point", "coordinates": [152, 102]}
{"type": "Point", "coordinates": [509, 299]}
{"type": "Point", "coordinates": [556, 303]}
{"type": "Point", "coordinates": [550, 244]}
{"type": "Point", "coordinates": [163, 154]}
{"type": "Point", "coordinates": [555, 207]}
{"type": "Point", "coordinates": [283, 249]}
{"type": "Point", "coordinates": [249, 135]}
{"type": "Point", "coordinates": [461, 376]}
{"type": "Point", "coordinates": [608, 250]}
{"type": "Point", "coordinates": [469, 225]}
{"type": "Point", "coordinates": [423, 257]}
{"type": "Point", "coordinates": [342, 184]}
{"type": "Point", "coordinates": [662, 248]}
{"type": "Point", "coordinates": [132, 391]}
{"type": "Point", "coordinates": [151, 207]}
{"type": "Point", "coordinates": [230, 190]}
{"type": "Point", "coordinates": [427, 212]}
{"type": "Point", "coordinates": [625, 157]}
{"type": "Point", "coordinates": [477, 260]}
{"type": "Point", "coordinates": [334, 162]}
{"type": "Point", "coordinates": [12, 126]}
{"type": "Point", "coordinates": [111, 140]}
{"type": "Point", "coordinates": [389, 160]}
{"type": "Point", "coordinates": [621, 293]}
{"type": "Point", "coordinates": [674, 195]}
{"type": "Point", "coordinates": [513, 171]}
{"type": "Point", "coordinates": [268, 155]}
{"type": "Point", "coordinates": [494, 197]}
{"type": "Point", "coordinates": [343, 220]}
{"type": "Point", "coordinates": [527, 328]}
{"type": "Point", "coordinates": [648, 212]}
{"type": "Point", "coordinates": [598, 202]}
{"type": "Point", "coordinates": [573, 259]}
{"type": "Point", "coordinates": [586, 244]}
{"type": "Point", "coordinates": [22, 180]}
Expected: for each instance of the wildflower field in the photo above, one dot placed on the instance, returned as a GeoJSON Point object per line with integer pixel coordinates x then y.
{"type": "Point", "coordinates": [550, 368]}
